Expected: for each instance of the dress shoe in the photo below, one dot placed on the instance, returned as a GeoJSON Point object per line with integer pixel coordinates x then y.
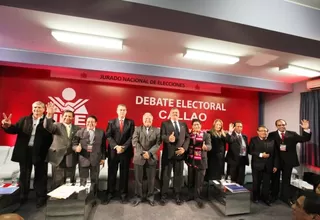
{"type": "Point", "coordinates": [136, 202]}
{"type": "Point", "coordinates": [107, 199]}
{"type": "Point", "coordinates": [178, 201]}
{"type": "Point", "coordinates": [290, 202]}
{"type": "Point", "coordinates": [274, 199]}
{"type": "Point", "coordinates": [255, 201]}
{"type": "Point", "coordinates": [267, 202]}
{"type": "Point", "coordinates": [190, 198]}
{"type": "Point", "coordinates": [163, 201]}
{"type": "Point", "coordinates": [40, 203]}
{"type": "Point", "coordinates": [124, 200]}
{"type": "Point", "coordinates": [199, 204]}
{"type": "Point", "coordinates": [151, 202]}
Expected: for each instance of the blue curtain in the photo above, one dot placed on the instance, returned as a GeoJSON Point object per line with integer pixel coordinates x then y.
{"type": "Point", "coordinates": [310, 110]}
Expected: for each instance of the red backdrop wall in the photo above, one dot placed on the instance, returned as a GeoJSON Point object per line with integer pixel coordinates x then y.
{"type": "Point", "coordinates": [19, 91]}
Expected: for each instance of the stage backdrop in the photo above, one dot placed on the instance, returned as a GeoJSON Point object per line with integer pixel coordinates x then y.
{"type": "Point", "coordinates": [18, 92]}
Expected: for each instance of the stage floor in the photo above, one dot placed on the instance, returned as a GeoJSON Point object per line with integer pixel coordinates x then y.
{"type": "Point", "coordinates": [188, 211]}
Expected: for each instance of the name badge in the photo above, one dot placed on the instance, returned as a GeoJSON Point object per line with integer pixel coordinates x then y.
{"type": "Point", "coordinates": [283, 147]}
{"type": "Point", "coordinates": [89, 148]}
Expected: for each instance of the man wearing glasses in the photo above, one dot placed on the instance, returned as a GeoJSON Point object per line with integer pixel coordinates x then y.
{"type": "Point", "coordinates": [286, 142]}
{"type": "Point", "coordinates": [264, 162]}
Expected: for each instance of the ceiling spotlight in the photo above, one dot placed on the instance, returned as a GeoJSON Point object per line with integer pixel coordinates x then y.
{"type": "Point", "coordinates": [86, 39]}
{"type": "Point", "coordinates": [300, 71]}
{"type": "Point", "coordinates": [212, 57]}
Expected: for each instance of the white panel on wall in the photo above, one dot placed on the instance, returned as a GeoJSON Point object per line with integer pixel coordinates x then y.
{"type": "Point", "coordinates": [285, 106]}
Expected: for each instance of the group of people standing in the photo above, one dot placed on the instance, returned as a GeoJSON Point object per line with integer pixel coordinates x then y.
{"type": "Point", "coordinates": [41, 140]}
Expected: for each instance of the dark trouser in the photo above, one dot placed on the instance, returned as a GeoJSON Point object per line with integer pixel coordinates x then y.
{"type": "Point", "coordinates": [40, 177]}
{"type": "Point", "coordinates": [138, 175]}
{"type": "Point", "coordinates": [166, 169]}
{"type": "Point", "coordinates": [94, 175]}
{"type": "Point", "coordinates": [61, 173]}
{"type": "Point", "coordinates": [237, 172]}
{"type": "Point", "coordinates": [195, 181]}
{"type": "Point", "coordinates": [124, 174]}
{"type": "Point", "coordinates": [216, 164]}
{"type": "Point", "coordinates": [259, 176]}
{"type": "Point", "coordinates": [285, 184]}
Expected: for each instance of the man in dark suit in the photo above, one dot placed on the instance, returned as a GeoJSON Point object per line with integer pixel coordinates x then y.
{"type": "Point", "coordinates": [61, 156]}
{"type": "Point", "coordinates": [264, 162]}
{"type": "Point", "coordinates": [31, 147]}
{"type": "Point", "coordinates": [237, 156]}
{"type": "Point", "coordinates": [286, 142]}
{"type": "Point", "coordinates": [119, 135]}
{"type": "Point", "coordinates": [175, 137]}
{"type": "Point", "coordinates": [146, 142]}
{"type": "Point", "coordinates": [197, 160]}
{"type": "Point", "coordinates": [90, 143]}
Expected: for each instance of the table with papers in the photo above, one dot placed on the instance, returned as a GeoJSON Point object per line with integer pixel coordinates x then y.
{"type": "Point", "coordinates": [9, 198]}
{"type": "Point", "coordinates": [70, 202]}
{"type": "Point", "coordinates": [230, 198]}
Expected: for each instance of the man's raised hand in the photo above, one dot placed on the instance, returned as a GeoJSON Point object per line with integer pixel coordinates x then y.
{"type": "Point", "coordinates": [6, 121]}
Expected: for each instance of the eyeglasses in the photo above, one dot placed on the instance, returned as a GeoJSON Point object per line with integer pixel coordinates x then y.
{"type": "Point", "coordinates": [263, 131]}
{"type": "Point", "coordinates": [281, 125]}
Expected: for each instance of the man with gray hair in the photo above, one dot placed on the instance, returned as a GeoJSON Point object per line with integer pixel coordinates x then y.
{"type": "Point", "coordinates": [146, 142]}
{"type": "Point", "coordinates": [31, 148]}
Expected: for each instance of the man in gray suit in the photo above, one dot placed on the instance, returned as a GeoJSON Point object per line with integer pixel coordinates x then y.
{"type": "Point", "coordinates": [146, 142]}
{"type": "Point", "coordinates": [90, 143]}
{"type": "Point", "coordinates": [61, 156]}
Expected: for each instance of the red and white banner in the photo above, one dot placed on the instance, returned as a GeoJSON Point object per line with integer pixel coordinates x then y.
{"type": "Point", "coordinates": [100, 99]}
{"type": "Point", "coordinates": [138, 80]}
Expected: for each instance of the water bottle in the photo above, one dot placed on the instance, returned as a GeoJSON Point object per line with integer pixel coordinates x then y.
{"type": "Point", "coordinates": [229, 179]}
{"type": "Point", "coordinates": [14, 180]}
{"type": "Point", "coordinates": [68, 182]}
{"type": "Point", "coordinates": [78, 181]}
{"type": "Point", "coordinates": [88, 185]}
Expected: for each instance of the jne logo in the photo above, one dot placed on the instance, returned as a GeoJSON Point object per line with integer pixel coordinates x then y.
{"type": "Point", "coordinates": [77, 106]}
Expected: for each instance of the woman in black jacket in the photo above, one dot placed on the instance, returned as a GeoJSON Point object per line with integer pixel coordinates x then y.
{"type": "Point", "coordinates": [216, 157]}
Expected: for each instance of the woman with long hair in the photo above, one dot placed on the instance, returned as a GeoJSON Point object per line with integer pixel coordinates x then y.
{"type": "Point", "coordinates": [216, 157]}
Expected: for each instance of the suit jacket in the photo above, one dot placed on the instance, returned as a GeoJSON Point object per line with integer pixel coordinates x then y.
{"type": "Point", "coordinates": [181, 141]}
{"type": "Point", "coordinates": [62, 144]}
{"type": "Point", "coordinates": [258, 146]}
{"type": "Point", "coordinates": [204, 158]}
{"type": "Point", "coordinates": [218, 144]}
{"type": "Point", "coordinates": [98, 147]}
{"type": "Point", "coordinates": [233, 155]}
{"type": "Point", "coordinates": [23, 129]}
{"type": "Point", "coordinates": [291, 139]}
{"type": "Point", "coordinates": [141, 141]}
{"type": "Point", "coordinates": [115, 137]}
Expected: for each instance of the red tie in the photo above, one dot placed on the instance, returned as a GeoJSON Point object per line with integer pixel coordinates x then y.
{"type": "Point", "coordinates": [121, 126]}
{"type": "Point", "coordinates": [282, 136]}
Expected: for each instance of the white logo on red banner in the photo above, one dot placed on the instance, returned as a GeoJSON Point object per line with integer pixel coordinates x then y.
{"type": "Point", "coordinates": [70, 103]}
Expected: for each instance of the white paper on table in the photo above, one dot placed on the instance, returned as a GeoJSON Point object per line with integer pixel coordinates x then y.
{"type": "Point", "coordinates": [226, 184]}
{"type": "Point", "coordinates": [216, 182]}
{"type": "Point", "coordinates": [8, 190]}
{"type": "Point", "coordinates": [62, 192]}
